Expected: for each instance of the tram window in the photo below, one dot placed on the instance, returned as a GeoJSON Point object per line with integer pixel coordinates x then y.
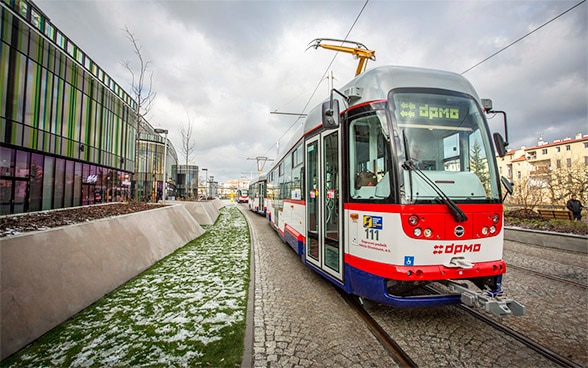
{"type": "Point", "coordinates": [368, 159]}
{"type": "Point", "coordinates": [451, 153]}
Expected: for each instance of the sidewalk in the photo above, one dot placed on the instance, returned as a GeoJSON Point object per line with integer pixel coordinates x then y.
{"type": "Point", "coordinates": [300, 320]}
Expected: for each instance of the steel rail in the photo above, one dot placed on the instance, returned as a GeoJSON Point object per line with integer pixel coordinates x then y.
{"type": "Point", "coordinates": [532, 344]}
{"type": "Point", "coordinates": [399, 355]}
{"type": "Point", "coordinates": [528, 342]}
{"type": "Point", "coordinates": [548, 276]}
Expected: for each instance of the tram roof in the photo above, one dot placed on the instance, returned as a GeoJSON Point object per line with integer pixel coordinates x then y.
{"type": "Point", "coordinates": [375, 84]}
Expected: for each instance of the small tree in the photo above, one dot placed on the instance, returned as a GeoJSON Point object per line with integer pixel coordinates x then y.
{"type": "Point", "coordinates": [143, 94]}
{"type": "Point", "coordinates": [479, 166]}
{"type": "Point", "coordinates": [526, 194]}
{"type": "Point", "coordinates": [188, 146]}
{"type": "Point", "coordinates": [571, 178]}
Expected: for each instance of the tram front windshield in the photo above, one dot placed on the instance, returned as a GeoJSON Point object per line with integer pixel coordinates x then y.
{"type": "Point", "coordinates": [444, 136]}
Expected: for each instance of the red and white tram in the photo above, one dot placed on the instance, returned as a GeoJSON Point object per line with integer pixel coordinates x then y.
{"type": "Point", "coordinates": [242, 196]}
{"type": "Point", "coordinates": [258, 195]}
{"type": "Point", "coordinates": [397, 190]}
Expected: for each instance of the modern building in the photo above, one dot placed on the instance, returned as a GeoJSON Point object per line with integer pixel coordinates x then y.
{"type": "Point", "coordinates": [68, 131]}
{"type": "Point", "coordinates": [548, 173]}
{"type": "Point", "coordinates": [186, 185]}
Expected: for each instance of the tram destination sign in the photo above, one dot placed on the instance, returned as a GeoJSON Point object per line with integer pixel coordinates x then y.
{"type": "Point", "coordinates": [410, 110]}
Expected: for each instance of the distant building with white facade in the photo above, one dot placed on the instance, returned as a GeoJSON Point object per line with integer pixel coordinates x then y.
{"type": "Point", "coordinates": [552, 171]}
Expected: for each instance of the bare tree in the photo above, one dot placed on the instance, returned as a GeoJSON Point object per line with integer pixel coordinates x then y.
{"type": "Point", "coordinates": [188, 147]}
{"type": "Point", "coordinates": [527, 194]}
{"type": "Point", "coordinates": [143, 93]}
{"type": "Point", "coordinates": [570, 178]}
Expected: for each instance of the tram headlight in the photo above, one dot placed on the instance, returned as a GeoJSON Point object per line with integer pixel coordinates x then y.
{"type": "Point", "coordinates": [413, 220]}
{"type": "Point", "coordinates": [492, 229]}
{"type": "Point", "coordinates": [428, 233]}
{"type": "Point", "coordinates": [485, 230]}
{"type": "Point", "coordinates": [417, 231]}
{"type": "Point", "coordinates": [495, 218]}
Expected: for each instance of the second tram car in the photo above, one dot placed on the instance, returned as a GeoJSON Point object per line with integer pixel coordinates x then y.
{"type": "Point", "coordinates": [242, 196]}
{"type": "Point", "coordinates": [397, 190]}
{"type": "Point", "coordinates": [258, 195]}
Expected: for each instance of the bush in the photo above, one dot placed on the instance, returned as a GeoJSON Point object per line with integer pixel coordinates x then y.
{"type": "Point", "coordinates": [529, 219]}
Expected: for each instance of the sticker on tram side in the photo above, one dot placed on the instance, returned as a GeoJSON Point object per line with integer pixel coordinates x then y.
{"type": "Point", "coordinates": [372, 226]}
{"type": "Point", "coordinates": [408, 260]}
{"type": "Point", "coordinates": [373, 222]}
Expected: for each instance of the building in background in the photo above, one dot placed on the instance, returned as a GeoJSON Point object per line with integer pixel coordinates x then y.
{"type": "Point", "coordinates": [186, 181]}
{"type": "Point", "coordinates": [68, 131]}
{"type": "Point", "coordinates": [548, 173]}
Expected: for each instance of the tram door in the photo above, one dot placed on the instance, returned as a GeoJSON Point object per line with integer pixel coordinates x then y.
{"type": "Point", "coordinates": [323, 205]}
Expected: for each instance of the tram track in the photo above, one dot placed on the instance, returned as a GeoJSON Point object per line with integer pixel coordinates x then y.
{"type": "Point", "coordinates": [393, 348]}
{"type": "Point", "coordinates": [548, 276]}
{"type": "Point", "coordinates": [405, 360]}
{"type": "Point", "coordinates": [541, 349]}
{"type": "Point", "coordinates": [528, 342]}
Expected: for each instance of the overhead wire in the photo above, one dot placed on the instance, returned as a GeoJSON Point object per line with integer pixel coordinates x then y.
{"type": "Point", "coordinates": [321, 79]}
{"type": "Point", "coordinates": [523, 37]}
{"type": "Point", "coordinates": [464, 72]}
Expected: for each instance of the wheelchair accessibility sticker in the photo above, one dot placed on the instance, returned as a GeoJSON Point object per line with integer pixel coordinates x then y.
{"type": "Point", "coordinates": [373, 222]}
{"type": "Point", "coordinates": [408, 260]}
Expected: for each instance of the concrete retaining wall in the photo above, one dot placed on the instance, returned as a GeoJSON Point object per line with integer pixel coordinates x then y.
{"type": "Point", "coordinates": [205, 213]}
{"type": "Point", "coordinates": [48, 276]}
{"type": "Point", "coordinates": [576, 243]}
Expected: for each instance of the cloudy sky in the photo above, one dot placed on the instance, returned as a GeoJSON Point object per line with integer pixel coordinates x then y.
{"type": "Point", "coordinates": [225, 65]}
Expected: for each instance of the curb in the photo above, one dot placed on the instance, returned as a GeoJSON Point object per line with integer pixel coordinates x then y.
{"type": "Point", "coordinates": [570, 242]}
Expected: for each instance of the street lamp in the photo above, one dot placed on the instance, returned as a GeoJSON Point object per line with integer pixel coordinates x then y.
{"type": "Point", "coordinates": [164, 131]}
{"type": "Point", "coordinates": [211, 181]}
{"type": "Point", "coordinates": [205, 183]}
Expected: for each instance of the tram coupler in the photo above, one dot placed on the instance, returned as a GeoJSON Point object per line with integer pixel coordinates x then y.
{"type": "Point", "coordinates": [498, 306]}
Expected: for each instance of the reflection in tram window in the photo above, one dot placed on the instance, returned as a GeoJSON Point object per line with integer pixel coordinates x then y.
{"type": "Point", "coordinates": [331, 209]}
{"type": "Point", "coordinates": [313, 201]}
{"type": "Point", "coordinates": [368, 159]}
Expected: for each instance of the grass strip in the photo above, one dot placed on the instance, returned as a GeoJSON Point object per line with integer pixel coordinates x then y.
{"type": "Point", "coordinates": [187, 310]}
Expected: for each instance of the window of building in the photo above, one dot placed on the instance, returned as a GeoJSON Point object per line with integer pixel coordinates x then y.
{"type": "Point", "coordinates": [568, 162]}
{"type": "Point", "coordinates": [557, 149]}
{"type": "Point", "coordinates": [544, 151]}
{"type": "Point", "coordinates": [568, 147]}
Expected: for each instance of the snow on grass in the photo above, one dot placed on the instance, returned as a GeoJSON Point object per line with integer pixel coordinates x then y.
{"type": "Point", "coordinates": [187, 310]}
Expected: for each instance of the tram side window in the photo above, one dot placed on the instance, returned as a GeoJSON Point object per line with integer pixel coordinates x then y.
{"type": "Point", "coordinates": [297, 158]}
{"type": "Point", "coordinates": [368, 159]}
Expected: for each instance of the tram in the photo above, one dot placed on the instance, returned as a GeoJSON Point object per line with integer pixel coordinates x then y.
{"type": "Point", "coordinates": [258, 195]}
{"type": "Point", "coordinates": [242, 196]}
{"type": "Point", "coordinates": [392, 185]}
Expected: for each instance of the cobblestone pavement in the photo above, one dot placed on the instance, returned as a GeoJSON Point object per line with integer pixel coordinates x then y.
{"type": "Point", "coordinates": [299, 319]}
{"type": "Point", "coordinates": [556, 313]}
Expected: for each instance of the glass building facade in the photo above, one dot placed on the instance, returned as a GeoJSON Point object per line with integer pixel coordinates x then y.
{"type": "Point", "coordinates": [186, 181]}
{"type": "Point", "coordinates": [68, 131]}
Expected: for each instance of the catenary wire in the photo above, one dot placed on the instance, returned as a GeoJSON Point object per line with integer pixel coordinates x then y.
{"type": "Point", "coordinates": [320, 80]}
{"type": "Point", "coordinates": [521, 38]}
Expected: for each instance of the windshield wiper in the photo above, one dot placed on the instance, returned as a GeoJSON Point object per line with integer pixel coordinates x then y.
{"type": "Point", "coordinates": [456, 212]}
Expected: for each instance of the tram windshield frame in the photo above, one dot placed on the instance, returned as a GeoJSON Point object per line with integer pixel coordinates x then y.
{"type": "Point", "coordinates": [443, 135]}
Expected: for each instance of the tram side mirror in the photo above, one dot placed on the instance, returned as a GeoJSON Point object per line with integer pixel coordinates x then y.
{"type": "Point", "coordinates": [331, 115]}
{"type": "Point", "coordinates": [507, 185]}
{"type": "Point", "coordinates": [500, 144]}
{"type": "Point", "coordinates": [487, 104]}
